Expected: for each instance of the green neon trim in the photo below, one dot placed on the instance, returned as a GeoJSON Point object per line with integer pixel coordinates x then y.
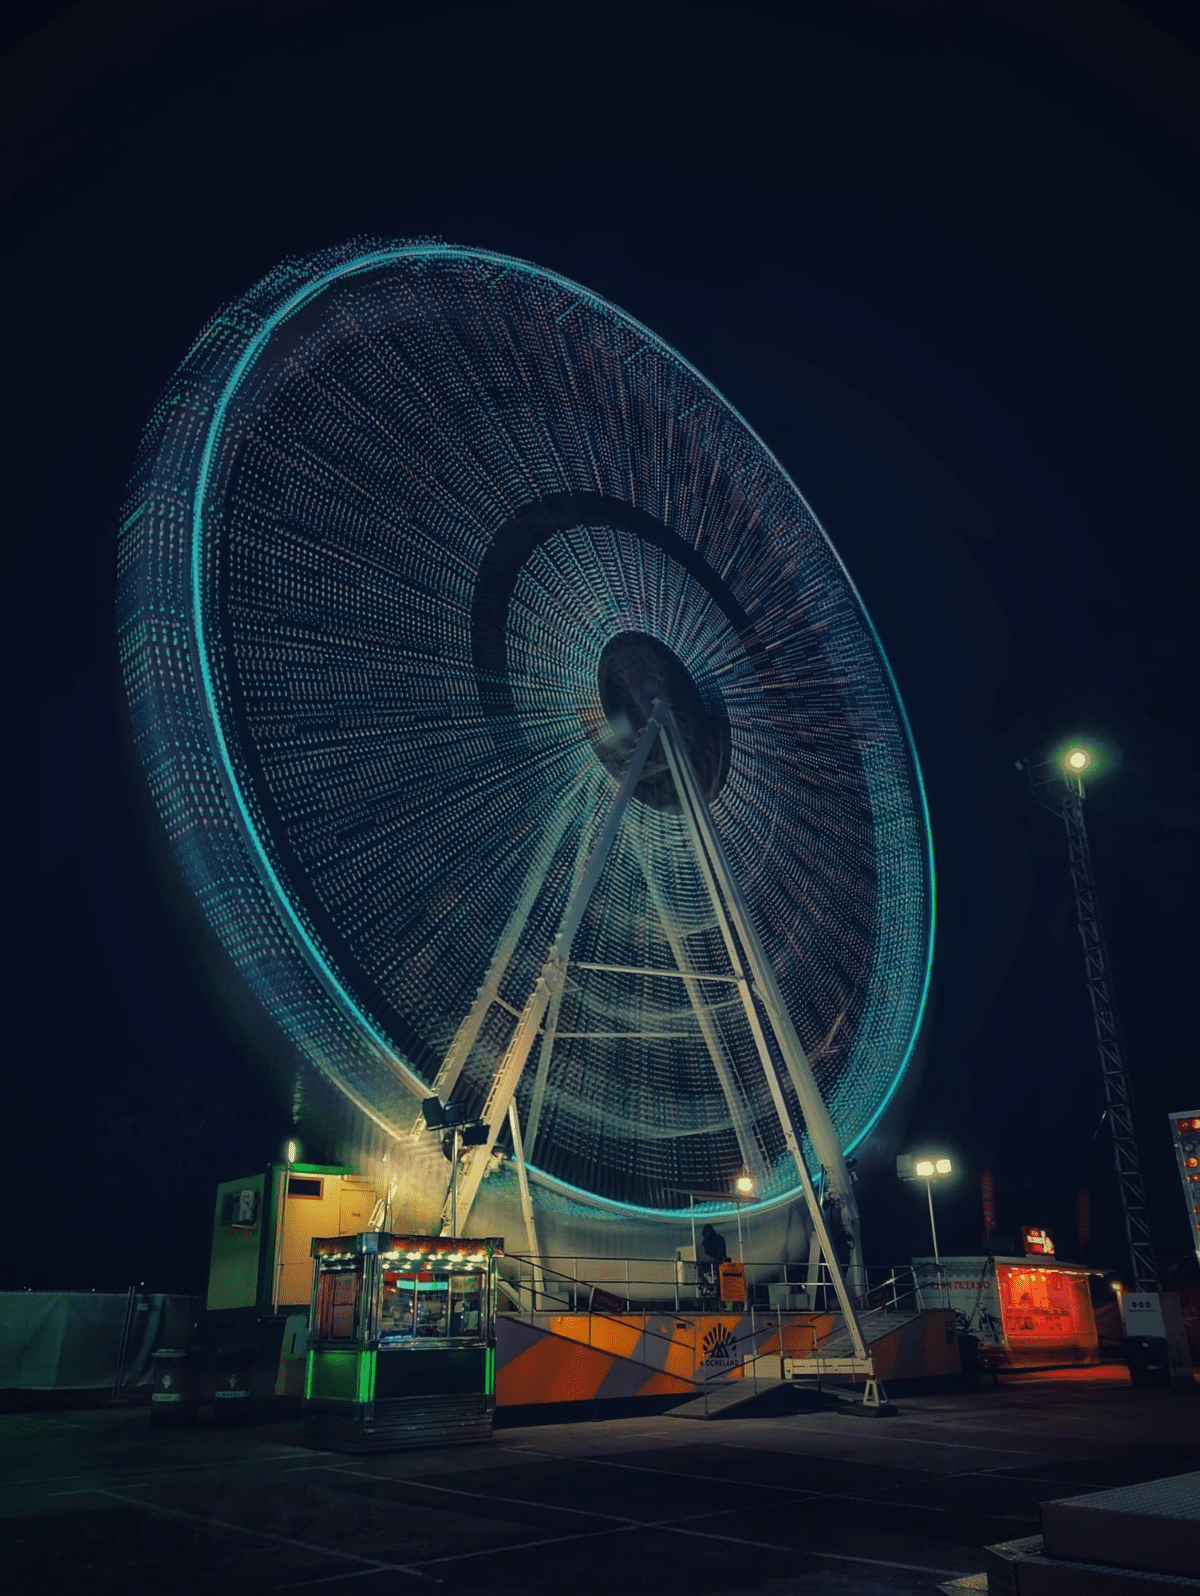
{"type": "Point", "coordinates": [366, 1376]}
{"type": "Point", "coordinates": [308, 1375]}
{"type": "Point", "coordinates": [489, 1372]}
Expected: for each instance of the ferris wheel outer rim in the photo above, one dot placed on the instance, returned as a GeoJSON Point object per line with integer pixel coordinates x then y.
{"type": "Point", "coordinates": [318, 962]}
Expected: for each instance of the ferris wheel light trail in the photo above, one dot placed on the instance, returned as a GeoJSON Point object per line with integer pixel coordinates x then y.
{"type": "Point", "coordinates": [410, 536]}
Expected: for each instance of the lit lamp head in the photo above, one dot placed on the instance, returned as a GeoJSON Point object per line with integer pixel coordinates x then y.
{"type": "Point", "coordinates": [927, 1168]}
{"type": "Point", "coordinates": [1077, 760]}
{"type": "Point", "coordinates": [291, 1152]}
{"type": "Point", "coordinates": [744, 1185]}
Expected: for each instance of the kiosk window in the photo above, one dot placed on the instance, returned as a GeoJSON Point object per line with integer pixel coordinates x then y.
{"type": "Point", "coordinates": [433, 1306]}
{"type": "Point", "coordinates": [338, 1296]}
{"type": "Point", "coordinates": [397, 1303]}
{"type": "Point", "coordinates": [466, 1304]}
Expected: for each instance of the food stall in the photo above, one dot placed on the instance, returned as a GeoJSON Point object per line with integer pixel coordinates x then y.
{"type": "Point", "coordinates": [402, 1341]}
{"type": "Point", "coordinates": [1024, 1311]}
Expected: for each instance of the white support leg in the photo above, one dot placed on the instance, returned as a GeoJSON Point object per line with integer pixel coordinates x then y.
{"type": "Point", "coordinates": [542, 1073]}
{"type": "Point", "coordinates": [766, 987]}
{"type": "Point", "coordinates": [504, 1083]}
{"type": "Point", "coordinates": [735, 1101]}
{"type": "Point", "coordinates": [468, 1031]}
{"type": "Point", "coordinates": [531, 1240]}
{"type": "Point", "coordinates": [723, 891]}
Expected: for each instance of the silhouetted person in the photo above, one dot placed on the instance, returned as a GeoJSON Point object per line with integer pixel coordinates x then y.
{"type": "Point", "coordinates": [712, 1245]}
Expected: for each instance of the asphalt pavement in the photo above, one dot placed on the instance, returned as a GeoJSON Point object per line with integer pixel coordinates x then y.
{"type": "Point", "coordinates": [815, 1503]}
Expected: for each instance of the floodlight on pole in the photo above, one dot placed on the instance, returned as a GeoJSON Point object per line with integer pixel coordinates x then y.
{"type": "Point", "coordinates": [909, 1167]}
{"type": "Point", "coordinates": [743, 1186]}
{"type": "Point", "coordinates": [289, 1154]}
{"type": "Point", "coordinates": [1057, 784]}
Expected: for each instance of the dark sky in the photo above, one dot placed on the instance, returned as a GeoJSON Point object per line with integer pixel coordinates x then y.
{"type": "Point", "coordinates": [941, 257]}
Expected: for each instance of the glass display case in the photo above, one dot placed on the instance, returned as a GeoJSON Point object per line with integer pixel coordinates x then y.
{"type": "Point", "coordinates": [402, 1340]}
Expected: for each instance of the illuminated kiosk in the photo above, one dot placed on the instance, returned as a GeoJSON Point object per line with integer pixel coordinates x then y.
{"type": "Point", "coordinates": [527, 745]}
{"type": "Point", "coordinates": [402, 1342]}
{"type": "Point", "coordinates": [1025, 1312]}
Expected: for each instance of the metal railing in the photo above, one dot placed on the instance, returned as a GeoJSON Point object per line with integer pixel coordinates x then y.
{"type": "Point", "coordinates": [565, 1284]}
{"type": "Point", "coordinates": [548, 1286]}
{"type": "Point", "coordinates": [607, 1290]}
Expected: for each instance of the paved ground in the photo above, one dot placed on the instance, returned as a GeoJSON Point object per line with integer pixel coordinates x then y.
{"type": "Point", "coordinates": [813, 1504]}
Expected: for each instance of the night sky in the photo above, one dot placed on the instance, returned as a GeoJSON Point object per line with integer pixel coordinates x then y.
{"type": "Point", "coordinates": [943, 261]}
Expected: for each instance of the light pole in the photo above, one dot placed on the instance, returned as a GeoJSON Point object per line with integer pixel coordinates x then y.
{"type": "Point", "coordinates": [291, 1152]}
{"type": "Point", "coordinates": [744, 1186]}
{"type": "Point", "coordinates": [1057, 784]}
{"type": "Point", "coordinates": [927, 1168]}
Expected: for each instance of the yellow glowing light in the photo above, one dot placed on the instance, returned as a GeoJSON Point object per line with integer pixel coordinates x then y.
{"type": "Point", "coordinates": [744, 1184]}
{"type": "Point", "coordinates": [925, 1167]}
{"type": "Point", "coordinates": [943, 1166]}
{"type": "Point", "coordinates": [1078, 759]}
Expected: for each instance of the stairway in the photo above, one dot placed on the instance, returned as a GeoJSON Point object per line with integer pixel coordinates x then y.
{"type": "Point", "coordinates": [835, 1353]}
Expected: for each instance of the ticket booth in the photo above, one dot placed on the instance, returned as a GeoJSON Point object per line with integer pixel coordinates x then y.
{"type": "Point", "coordinates": [402, 1341]}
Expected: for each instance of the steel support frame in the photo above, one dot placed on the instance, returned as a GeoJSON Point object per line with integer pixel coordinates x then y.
{"type": "Point", "coordinates": [1126, 1151]}
{"type": "Point", "coordinates": [750, 959]}
{"type": "Point", "coordinates": [1063, 794]}
{"type": "Point", "coordinates": [756, 985]}
{"type": "Point", "coordinates": [504, 1082]}
{"type": "Point", "coordinates": [735, 1101]}
{"type": "Point", "coordinates": [488, 994]}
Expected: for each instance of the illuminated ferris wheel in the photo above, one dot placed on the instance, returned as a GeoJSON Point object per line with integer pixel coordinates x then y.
{"type": "Point", "coordinates": [520, 732]}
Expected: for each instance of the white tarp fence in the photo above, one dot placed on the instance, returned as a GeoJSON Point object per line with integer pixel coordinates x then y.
{"type": "Point", "coordinates": [71, 1340]}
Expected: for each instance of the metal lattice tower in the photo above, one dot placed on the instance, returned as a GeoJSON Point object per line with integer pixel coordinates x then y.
{"type": "Point", "coordinates": [1061, 791]}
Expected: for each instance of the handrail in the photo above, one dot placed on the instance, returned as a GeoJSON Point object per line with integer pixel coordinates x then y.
{"type": "Point", "coordinates": [897, 1292]}
{"type": "Point", "coordinates": [662, 1289]}
{"type": "Point", "coordinates": [884, 1292]}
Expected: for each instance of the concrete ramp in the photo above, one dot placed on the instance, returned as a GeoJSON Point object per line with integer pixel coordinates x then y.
{"type": "Point", "coordinates": [742, 1399]}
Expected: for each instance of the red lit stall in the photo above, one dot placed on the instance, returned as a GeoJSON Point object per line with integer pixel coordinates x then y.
{"type": "Point", "coordinates": [1027, 1311]}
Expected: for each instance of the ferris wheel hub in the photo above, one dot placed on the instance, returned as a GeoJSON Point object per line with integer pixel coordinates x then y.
{"type": "Point", "coordinates": [635, 671]}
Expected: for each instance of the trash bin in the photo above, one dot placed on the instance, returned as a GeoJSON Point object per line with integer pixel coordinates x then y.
{"type": "Point", "coordinates": [173, 1398]}
{"type": "Point", "coordinates": [1149, 1361]}
{"type": "Point", "coordinates": [233, 1383]}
